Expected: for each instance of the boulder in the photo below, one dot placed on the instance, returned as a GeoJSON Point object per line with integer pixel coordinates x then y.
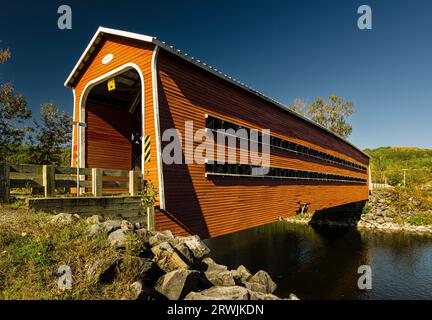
{"type": "Point", "coordinates": [94, 229]}
{"type": "Point", "coordinates": [256, 287]}
{"type": "Point", "coordinates": [197, 247]}
{"type": "Point", "coordinates": [262, 296]}
{"type": "Point", "coordinates": [177, 284]}
{"type": "Point", "coordinates": [264, 278]}
{"type": "Point", "coordinates": [141, 292]}
{"type": "Point", "coordinates": [241, 274]}
{"type": "Point", "coordinates": [65, 219]}
{"type": "Point", "coordinates": [292, 296]}
{"type": "Point", "coordinates": [104, 270]}
{"type": "Point", "coordinates": [111, 225]}
{"type": "Point", "coordinates": [220, 278]}
{"type": "Point", "coordinates": [167, 258]}
{"type": "Point", "coordinates": [145, 270]}
{"type": "Point", "coordinates": [118, 238]}
{"type": "Point", "coordinates": [218, 274]}
{"type": "Point", "coordinates": [95, 219]}
{"type": "Point", "coordinates": [126, 225]}
{"type": "Point", "coordinates": [160, 237]}
{"type": "Point", "coordinates": [220, 293]}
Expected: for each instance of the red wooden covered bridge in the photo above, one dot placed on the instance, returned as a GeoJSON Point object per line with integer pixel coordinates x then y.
{"type": "Point", "coordinates": [129, 88]}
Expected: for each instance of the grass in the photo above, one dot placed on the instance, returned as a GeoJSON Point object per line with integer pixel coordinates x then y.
{"type": "Point", "coordinates": [32, 249]}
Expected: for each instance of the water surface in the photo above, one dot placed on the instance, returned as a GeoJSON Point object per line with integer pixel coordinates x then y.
{"type": "Point", "coordinates": [323, 263]}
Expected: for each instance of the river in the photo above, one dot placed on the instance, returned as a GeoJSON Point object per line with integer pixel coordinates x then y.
{"type": "Point", "coordinates": [323, 263]}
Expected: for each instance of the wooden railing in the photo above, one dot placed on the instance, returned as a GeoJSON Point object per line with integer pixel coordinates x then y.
{"type": "Point", "coordinates": [95, 180]}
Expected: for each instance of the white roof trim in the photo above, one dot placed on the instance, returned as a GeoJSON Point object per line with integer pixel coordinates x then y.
{"type": "Point", "coordinates": [163, 45]}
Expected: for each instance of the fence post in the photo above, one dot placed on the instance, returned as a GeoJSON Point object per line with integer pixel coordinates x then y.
{"type": "Point", "coordinates": [4, 183]}
{"type": "Point", "coordinates": [133, 183]}
{"type": "Point", "coordinates": [97, 182]}
{"type": "Point", "coordinates": [150, 218]}
{"type": "Point", "coordinates": [48, 180]}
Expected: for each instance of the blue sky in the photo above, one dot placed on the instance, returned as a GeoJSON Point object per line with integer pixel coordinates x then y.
{"type": "Point", "coordinates": [285, 49]}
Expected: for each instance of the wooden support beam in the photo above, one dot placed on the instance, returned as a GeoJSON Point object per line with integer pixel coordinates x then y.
{"type": "Point", "coordinates": [4, 183]}
{"type": "Point", "coordinates": [97, 182]}
{"type": "Point", "coordinates": [48, 180]}
{"type": "Point", "coordinates": [133, 183]}
{"type": "Point", "coordinates": [150, 218]}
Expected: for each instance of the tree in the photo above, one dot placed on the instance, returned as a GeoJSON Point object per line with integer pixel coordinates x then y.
{"type": "Point", "coordinates": [52, 133]}
{"type": "Point", "coordinates": [331, 114]}
{"type": "Point", "coordinates": [13, 113]}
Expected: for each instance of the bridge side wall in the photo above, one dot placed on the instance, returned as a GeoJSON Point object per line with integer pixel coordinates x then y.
{"type": "Point", "coordinates": [213, 206]}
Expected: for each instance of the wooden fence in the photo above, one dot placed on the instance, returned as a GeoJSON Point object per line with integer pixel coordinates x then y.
{"type": "Point", "coordinates": [95, 180]}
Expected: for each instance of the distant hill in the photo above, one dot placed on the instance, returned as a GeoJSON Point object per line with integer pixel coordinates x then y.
{"type": "Point", "coordinates": [389, 162]}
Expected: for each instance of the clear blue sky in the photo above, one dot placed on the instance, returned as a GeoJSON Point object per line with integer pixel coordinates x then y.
{"type": "Point", "coordinates": [285, 49]}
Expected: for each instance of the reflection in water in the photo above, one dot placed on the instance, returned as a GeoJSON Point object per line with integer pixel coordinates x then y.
{"type": "Point", "coordinates": [322, 263]}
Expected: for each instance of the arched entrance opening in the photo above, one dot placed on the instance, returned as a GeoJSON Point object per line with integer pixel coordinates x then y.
{"type": "Point", "coordinates": [113, 108]}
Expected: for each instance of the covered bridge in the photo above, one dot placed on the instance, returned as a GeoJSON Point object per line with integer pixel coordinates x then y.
{"type": "Point", "coordinates": [130, 88]}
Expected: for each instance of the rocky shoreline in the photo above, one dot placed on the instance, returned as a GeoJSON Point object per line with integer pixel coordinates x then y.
{"type": "Point", "coordinates": [379, 216]}
{"type": "Point", "coordinates": [170, 267]}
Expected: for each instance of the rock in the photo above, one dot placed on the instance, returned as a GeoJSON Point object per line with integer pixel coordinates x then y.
{"type": "Point", "coordinates": [220, 293]}
{"type": "Point", "coordinates": [177, 284]}
{"type": "Point", "coordinates": [262, 296]}
{"type": "Point", "coordinates": [126, 225]}
{"type": "Point", "coordinates": [95, 219]}
{"type": "Point", "coordinates": [292, 296]}
{"type": "Point", "coordinates": [185, 252]}
{"type": "Point", "coordinates": [220, 278]}
{"type": "Point", "coordinates": [242, 274]}
{"type": "Point", "coordinates": [111, 225]}
{"type": "Point", "coordinates": [146, 270]}
{"type": "Point", "coordinates": [167, 258]}
{"type": "Point", "coordinates": [140, 292]}
{"type": "Point", "coordinates": [212, 266]}
{"type": "Point", "coordinates": [118, 238]}
{"type": "Point", "coordinates": [264, 278]}
{"type": "Point", "coordinates": [104, 270]}
{"type": "Point", "coordinates": [94, 229]}
{"type": "Point", "coordinates": [197, 247]}
{"type": "Point", "coordinates": [256, 287]}
{"type": "Point", "coordinates": [160, 237]}
{"type": "Point", "coordinates": [65, 219]}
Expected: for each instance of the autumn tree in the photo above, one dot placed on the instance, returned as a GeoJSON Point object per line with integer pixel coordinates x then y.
{"type": "Point", "coordinates": [13, 113]}
{"type": "Point", "coordinates": [331, 114]}
{"type": "Point", "coordinates": [51, 134]}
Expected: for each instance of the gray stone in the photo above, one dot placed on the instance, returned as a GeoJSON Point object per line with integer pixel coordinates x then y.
{"type": "Point", "coordinates": [256, 287]}
{"type": "Point", "coordinates": [197, 247]}
{"type": "Point", "coordinates": [95, 219]}
{"type": "Point", "coordinates": [140, 292]}
{"type": "Point", "coordinates": [167, 258]}
{"type": "Point", "coordinates": [160, 237]}
{"type": "Point", "coordinates": [65, 219]}
{"type": "Point", "coordinates": [94, 229]}
{"type": "Point", "coordinates": [111, 225]}
{"type": "Point", "coordinates": [118, 238]}
{"type": "Point", "coordinates": [220, 278]}
{"type": "Point", "coordinates": [104, 270]}
{"type": "Point", "coordinates": [262, 296]}
{"type": "Point", "coordinates": [212, 266]}
{"type": "Point", "coordinates": [241, 274]}
{"type": "Point", "coordinates": [292, 296]}
{"type": "Point", "coordinates": [220, 293]}
{"type": "Point", "coordinates": [126, 226]}
{"type": "Point", "coordinates": [264, 278]}
{"type": "Point", "coordinates": [177, 284]}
